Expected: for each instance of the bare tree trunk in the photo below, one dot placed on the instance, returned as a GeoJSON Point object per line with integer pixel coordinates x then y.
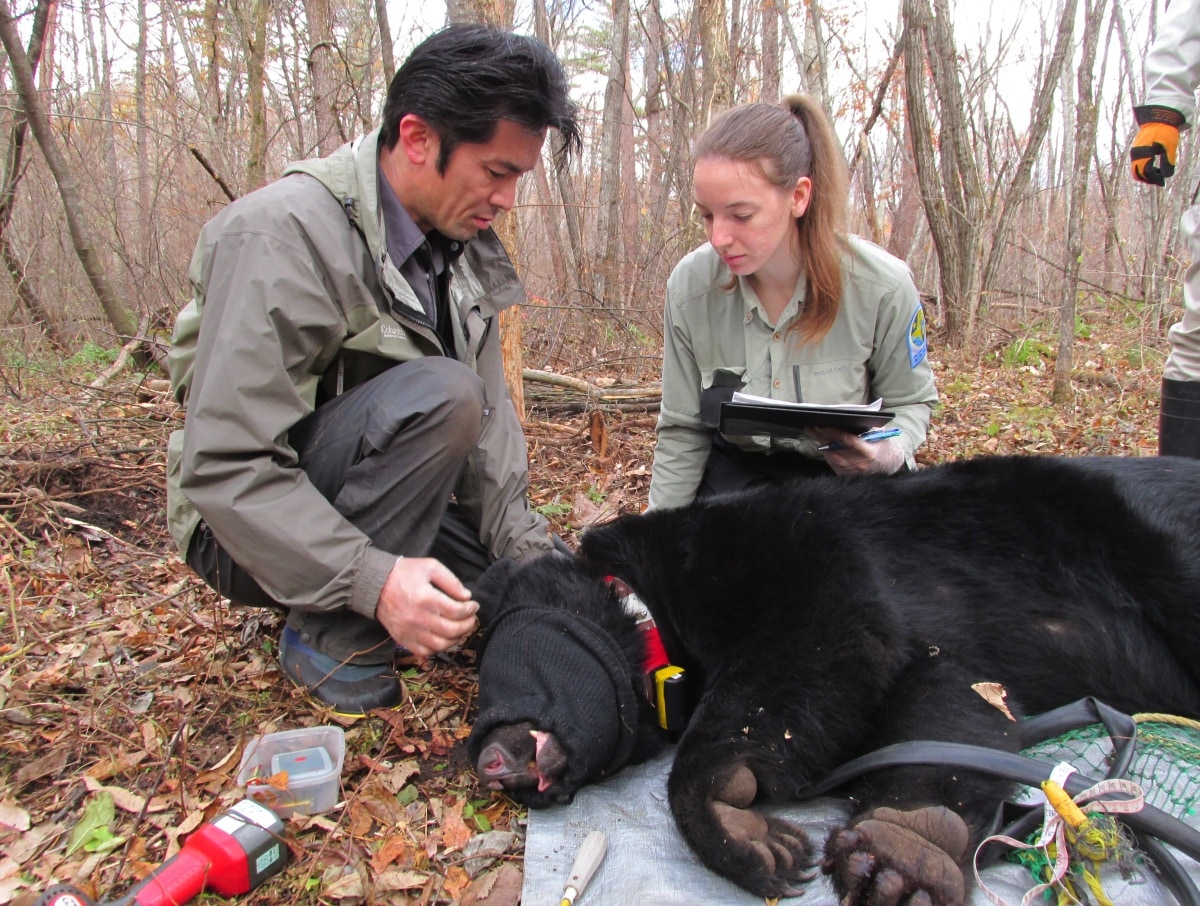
{"type": "Point", "coordinates": [630, 220]}
{"type": "Point", "coordinates": [716, 91]}
{"type": "Point", "coordinates": [322, 73]}
{"type": "Point", "coordinates": [907, 215]}
{"type": "Point", "coordinates": [255, 35]}
{"type": "Point", "coordinates": [793, 42]}
{"type": "Point", "coordinates": [735, 50]}
{"type": "Point", "coordinates": [549, 208]}
{"type": "Point", "coordinates": [1085, 138]}
{"type": "Point", "coordinates": [866, 182]}
{"type": "Point", "coordinates": [815, 74]}
{"type": "Point", "coordinates": [769, 11]}
{"type": "Point", "coordinates": [1113, 174]}
{"type": "Point", "coordinates": [146, 263]}
{"type": "Point", "coordinates": [14, 170]}
{"type": "Point", "coordinates": [654, 106]}
{"type": "Point", "coordinates": [950, 189]}
{"type": "Point", "coordinates": [109, 171]}
{"type": "Point", "coordinates": [385, 41]}
{"type": "Point", "coordinates": [610, 274]}
{"type": "Point", "coordinates": [567, 258]}
{"type": "Point", "coordinates": [491, 12]}
{"type": "Point", "coordinates": [683, 89]}
{"type": "Point", "coordinates": [212, 57]}
{"type": "Point", "coordinates": [46, 73]}
{"type": "Point", "coordinates": [123, 320]}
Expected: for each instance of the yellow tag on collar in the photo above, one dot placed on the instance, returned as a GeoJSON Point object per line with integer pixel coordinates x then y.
{"type": "Point", "coordinates": [670, 696]}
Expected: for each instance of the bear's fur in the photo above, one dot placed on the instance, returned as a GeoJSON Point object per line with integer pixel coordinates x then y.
{"type": "Point", "coordinates": [824, 618]}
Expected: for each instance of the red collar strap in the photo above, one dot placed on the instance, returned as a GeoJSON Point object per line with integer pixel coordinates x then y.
{"type": "Point", "coordinates": [664, 684]}
{"type": "Point", "coordinates": [655, 653]}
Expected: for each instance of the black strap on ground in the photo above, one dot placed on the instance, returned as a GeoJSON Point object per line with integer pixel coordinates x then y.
{"type": "Point", "coordinates": [1149, 825]}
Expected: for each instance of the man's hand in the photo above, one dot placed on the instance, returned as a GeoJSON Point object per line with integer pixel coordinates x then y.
{"type": "Point", "coordinates": [853, 456]}
{"type": "Point", "coordinates": [425, 607]}
{"type": "Point", "coordinates": [1152, 155]}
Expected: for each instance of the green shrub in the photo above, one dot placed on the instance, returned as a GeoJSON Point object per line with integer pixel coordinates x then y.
{"type": "Point", "coordinates": [1026, 352]}
{"type": "Point", "coordinates": [93, 356]}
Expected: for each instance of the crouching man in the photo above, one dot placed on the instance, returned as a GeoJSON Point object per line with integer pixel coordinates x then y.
{"type": "Point", "coordinates": [350, 452]}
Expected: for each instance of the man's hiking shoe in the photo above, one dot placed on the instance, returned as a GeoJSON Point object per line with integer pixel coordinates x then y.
{"type": "Point", "coordinates": [350, 689]}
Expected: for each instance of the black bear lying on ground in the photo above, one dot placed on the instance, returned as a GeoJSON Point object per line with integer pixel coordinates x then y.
{"type": "Point", "coordinates": [820, 620]}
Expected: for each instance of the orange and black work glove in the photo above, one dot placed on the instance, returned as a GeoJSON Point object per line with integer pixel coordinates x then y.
{"type": "Point", "coordinates": [1152, 155]}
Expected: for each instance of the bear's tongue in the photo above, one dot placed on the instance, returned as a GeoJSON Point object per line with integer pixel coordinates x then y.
{"type": "Point", "coordinates": [540, 738]}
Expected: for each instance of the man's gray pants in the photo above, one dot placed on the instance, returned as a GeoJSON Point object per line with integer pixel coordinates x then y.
{"type": "Point", "coordinates": [387, 455]}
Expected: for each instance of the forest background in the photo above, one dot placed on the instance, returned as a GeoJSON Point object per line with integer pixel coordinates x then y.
{"type": "Point", "coordinates": [987, 147]}
{"type": "Point", "coordinates": [992, 159]}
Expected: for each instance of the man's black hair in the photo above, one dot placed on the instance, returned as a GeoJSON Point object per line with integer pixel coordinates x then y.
{"type": "Point", "coordinates": [464, 79]}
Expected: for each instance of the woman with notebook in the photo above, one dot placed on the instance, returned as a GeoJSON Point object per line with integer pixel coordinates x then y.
{"type": "Point", "coordinates": [782, 303]}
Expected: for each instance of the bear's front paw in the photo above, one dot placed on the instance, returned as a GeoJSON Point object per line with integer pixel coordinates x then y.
{"type": "Point", "coordinates": [765, 855]}
{"type": "Point", "coordinates": [894, 858]}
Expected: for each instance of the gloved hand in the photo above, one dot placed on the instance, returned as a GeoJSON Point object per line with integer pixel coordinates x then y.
{"type": "Point", "coordinates": [853, 456]}
{"type": "Point", "coordinates": [1152, 155]}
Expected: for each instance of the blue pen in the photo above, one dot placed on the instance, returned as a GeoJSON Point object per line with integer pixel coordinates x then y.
{"type": "Point", "coordinates": [870, 437]}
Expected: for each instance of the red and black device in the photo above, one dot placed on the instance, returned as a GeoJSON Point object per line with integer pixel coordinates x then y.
{"type": "Point", "coordinates": [232, 854]}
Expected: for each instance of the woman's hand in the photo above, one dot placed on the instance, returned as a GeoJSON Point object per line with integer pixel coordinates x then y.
{"type": "Point", "coordinates": [852, 456]}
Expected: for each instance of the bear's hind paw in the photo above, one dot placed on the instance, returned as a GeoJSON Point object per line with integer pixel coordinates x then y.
{"type": "Point", "coordinates": [895, 858]}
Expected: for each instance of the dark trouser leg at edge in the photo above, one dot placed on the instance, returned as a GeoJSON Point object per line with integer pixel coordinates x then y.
{"type": "Point", "coordinates": [387, 454]}
{"type": "Point", "coordinates": [1179, 419]}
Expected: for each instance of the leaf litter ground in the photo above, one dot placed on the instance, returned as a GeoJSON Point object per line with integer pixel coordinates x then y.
{"type": "Point", "coordinates": [128, 689]}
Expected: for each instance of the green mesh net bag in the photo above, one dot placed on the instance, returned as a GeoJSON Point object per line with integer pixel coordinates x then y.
{"type": "Point", "coordinates": [1166, 760]}
{"type": "Point", "coordinates": [1162, 759]}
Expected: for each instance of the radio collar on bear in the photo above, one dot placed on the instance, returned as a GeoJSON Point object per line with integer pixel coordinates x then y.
{"type": "Point", "coordinates": [664, 684]}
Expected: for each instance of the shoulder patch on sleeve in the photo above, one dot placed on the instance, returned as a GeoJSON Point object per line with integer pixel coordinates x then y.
{"type": "Point", "coordinates": [918, 343]}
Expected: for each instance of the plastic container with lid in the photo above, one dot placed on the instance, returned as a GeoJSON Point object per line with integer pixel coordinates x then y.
{"type": "Point", "coordinates": [294, 772]}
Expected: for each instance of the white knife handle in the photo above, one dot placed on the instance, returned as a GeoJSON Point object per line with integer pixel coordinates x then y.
{"type": "Point", "coordinates": [591, 854]}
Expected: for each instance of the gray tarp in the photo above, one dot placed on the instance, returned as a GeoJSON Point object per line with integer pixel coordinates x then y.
{"type": "Point", "coordinates": [648, 864]}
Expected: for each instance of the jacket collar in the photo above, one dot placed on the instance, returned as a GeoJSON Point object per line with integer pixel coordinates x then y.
{"type": "Point", "coordinates": [351, 174]}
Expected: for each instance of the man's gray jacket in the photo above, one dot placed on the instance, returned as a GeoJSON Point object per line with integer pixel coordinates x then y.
{"type": "Point", "coordinates": [299, 301]}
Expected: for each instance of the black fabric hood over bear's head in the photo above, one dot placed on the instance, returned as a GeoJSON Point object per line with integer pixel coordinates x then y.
{"type": "Point", "coordinates": [547, 660]}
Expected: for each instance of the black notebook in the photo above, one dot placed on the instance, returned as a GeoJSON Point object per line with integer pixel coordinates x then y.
{"type": "Point", "coordinates": [752, 415]}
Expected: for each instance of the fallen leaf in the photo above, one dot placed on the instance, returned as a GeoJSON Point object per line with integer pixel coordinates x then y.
{"type": "Point", "coordinates": [127, 801]}
{"type": "Point", "coordinates": [96, 818]}
{"type": "Point", "coordinates": [381, 805]}
{"type": "Point", "coordinates": [501, 887]}
{"type": "Point", "coordinates": [457, 880]}
{"type": "Point", "coordinates": [46, 766]}
{"type": "Point", "coordinates": [482, 850]}
{"type": "Point", "coordinates": [392, 880]}
{"type": "Point", "coordinates": [115, 764]}
{"type": "Point", "coordinates": [185, 827]}
{"type": "Point", "coordinates": [455, 832]}
{"type": "Point", "coordinates": [395, 779]}
{"type": "Point", "coordinates": [9, 887]}
{"type": "Point", "coordinates": [994, 694]}
{"type": "Point", "coordinates": [394, 849]}
{"type": "Point", "coordinates": [31, 841]}
{"type": "Point", "coordinates": [346, 885]}
{"type": "Point", "coordinates": [14, 816]}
